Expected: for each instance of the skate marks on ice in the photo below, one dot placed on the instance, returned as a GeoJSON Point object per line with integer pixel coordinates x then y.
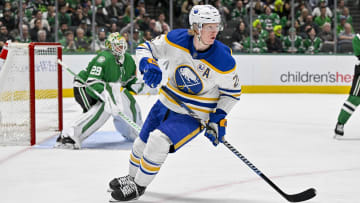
{"type": "Point", "coordinates": [99, 140]}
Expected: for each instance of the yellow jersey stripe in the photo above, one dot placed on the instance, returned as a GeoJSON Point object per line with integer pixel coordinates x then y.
{"type": "Point", "coordinates": [173, 101]}
{"type": "Point", "coordinates": [188, 137]}
{"type": "Point", "coordinates": [175, 45]}
{"type": "Point", "coordinates": [191, 96]}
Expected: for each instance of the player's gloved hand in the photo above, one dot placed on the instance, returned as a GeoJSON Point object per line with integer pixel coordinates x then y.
{"type": "Point", "coordinates": [151, 71]}
{"type": "Point", "coordinates": [217, 123]}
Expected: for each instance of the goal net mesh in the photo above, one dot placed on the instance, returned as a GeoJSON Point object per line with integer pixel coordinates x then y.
{"type": "Point", "coordinates": [15, 112]}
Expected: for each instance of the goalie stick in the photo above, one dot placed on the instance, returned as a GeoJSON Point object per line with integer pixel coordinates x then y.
{"type": "Point", "coordinates": [121, 114]}
{"type": "Point", "coordinates": [299, 197]}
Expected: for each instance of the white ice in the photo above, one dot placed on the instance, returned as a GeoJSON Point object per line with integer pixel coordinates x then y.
{"type": "Point", "coordinates": [289, 137]}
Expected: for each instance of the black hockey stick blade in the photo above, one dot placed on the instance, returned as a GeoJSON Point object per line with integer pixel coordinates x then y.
{"type": "Point", "coordinates": [302, 196]}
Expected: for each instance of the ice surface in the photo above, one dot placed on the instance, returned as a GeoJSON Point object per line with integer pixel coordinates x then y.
{"type": "Point", "coordinates": [287, 136]}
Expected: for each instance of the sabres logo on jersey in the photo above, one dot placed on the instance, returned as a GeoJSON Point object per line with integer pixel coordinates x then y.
{"type": "Point", "coordinates": [187, 80]}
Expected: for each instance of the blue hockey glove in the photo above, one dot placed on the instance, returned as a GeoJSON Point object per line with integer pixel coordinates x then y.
{"type": "Point", "coordinates": [151, 71]}
{"type": "Point", "coordinates": [217, 122]}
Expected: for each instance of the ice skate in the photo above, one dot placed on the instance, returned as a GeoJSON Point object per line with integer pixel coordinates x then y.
{"type": "Point", "coordinates": [117, 183]}
{"type": "Point", "coordinates": [128, 192]}
{"type": "Point", "coordinates": [339, 130]}
{"type": "Point", "coordinates": [65, 142]}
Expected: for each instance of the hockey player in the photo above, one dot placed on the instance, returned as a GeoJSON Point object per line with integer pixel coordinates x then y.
{"type": "Point", "coordinates": [203, 74]}
{"type": "Point", "coordinates": [353, 100]}
{"type": "Point", "coordinates": [103, 89]}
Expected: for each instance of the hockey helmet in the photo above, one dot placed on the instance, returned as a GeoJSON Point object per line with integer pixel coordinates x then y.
{"type": "Point", "coordinates": [202, 14]}
{"type": "Point", "coordinates": [116, 43]}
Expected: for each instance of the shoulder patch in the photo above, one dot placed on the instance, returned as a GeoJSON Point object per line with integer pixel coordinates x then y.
{"type": "Point", "coordinates": [101, 59]}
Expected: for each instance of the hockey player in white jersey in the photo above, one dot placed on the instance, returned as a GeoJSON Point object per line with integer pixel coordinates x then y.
{"type": "Point", "coordinates": [203, 74]}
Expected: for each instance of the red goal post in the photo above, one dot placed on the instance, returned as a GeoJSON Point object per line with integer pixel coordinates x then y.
{"type": "Point", "coordinates": [30, 93]}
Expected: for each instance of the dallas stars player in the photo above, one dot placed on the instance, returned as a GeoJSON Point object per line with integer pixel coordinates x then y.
{"type": "Point", "coordinates": [112, 75]}
{"type": "Point", "coordinates": [353, 100]}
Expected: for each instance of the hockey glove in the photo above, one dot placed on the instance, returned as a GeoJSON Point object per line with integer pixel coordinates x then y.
{"type": "Point", "coordinates": [217, 123]}
{"type": "Point", "coordinates": [151, 71]}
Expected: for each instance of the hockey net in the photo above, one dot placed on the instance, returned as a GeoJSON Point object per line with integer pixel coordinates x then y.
{"type": "Point", "coordinates": [30, 93]}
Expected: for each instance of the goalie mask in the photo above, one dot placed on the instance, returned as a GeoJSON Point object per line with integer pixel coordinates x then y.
{"type": "Point", "coordinates": [117, 44]}
{"type": "Point", "coordinates": [202, 14]}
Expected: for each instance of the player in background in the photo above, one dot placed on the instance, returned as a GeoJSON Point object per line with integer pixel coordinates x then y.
{"type": "Point", "coordinates": [349, 106]}
{"type": "Point", "coordinates": [203, 74]}
{"type": "Point", "coordinates": [3, 54]}
{"type": "Point", "coordinates": [112, 74]}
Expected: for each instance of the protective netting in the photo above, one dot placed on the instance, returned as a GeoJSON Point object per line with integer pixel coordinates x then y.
{"type": "Point", "coordinates": [15, 112]}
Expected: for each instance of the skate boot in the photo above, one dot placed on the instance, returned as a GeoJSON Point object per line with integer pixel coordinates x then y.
{"type": "Point", "coordinates": [65, 142]}
{"type": "Point", "coordinates": [339, 129]}
{"type": "Point", "coordinates": [117, 183]}
{"type": "Point", "coordinates": [131, 191]}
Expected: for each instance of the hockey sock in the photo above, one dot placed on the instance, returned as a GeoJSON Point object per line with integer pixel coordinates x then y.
{"type": "Point", "coordinates": [156, 151]}
{"type": "Point", "coordinates": [135, 156]}
{"type": "Point", "coordinates": [348, 109]}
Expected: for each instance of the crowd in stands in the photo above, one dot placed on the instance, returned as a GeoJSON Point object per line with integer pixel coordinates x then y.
{"type": "Point", "coordinates": [272, 29]}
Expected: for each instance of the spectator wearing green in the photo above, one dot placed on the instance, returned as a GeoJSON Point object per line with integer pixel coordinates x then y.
{"type": "Point", "coordinates": [291, 39]}
{"type": "Point", "coordinates": [63, 17]}
{"type": "Point", "coordinates": [322, 19]}
{"type": "Point", "coordinates": [346, 13]}
{"type": "Point", "coordinates": [262, 32]}
{"type": "Point", "coordinates": [257, 43]}
{"type": "Point", "coordinates": [341, 26]}
{"type": "Point", "coordinates": [239, 12]}
{"type": "Point", "coordinates": [68, 42]}
{"type": "Point", "coordinates": [269, 19]}
{"type": "Point", "coordinates": [353, 101]}
{"type": "Point", "coordinates": [313, 43]}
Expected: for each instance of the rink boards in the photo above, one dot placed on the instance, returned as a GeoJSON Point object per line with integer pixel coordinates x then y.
{"type": "Point", "coordinates": [269, 73]}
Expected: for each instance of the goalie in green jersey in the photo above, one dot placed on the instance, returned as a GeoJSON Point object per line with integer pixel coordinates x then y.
{"type": "Point", "coordinates": [103, 90]}
{"type": "Point", "coordinates": [349, 106]}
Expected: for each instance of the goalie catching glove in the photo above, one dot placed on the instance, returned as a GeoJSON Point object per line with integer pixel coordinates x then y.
{"type": "Point", "coordinates": [151, 71]}
{"type": "Point", "coordinates": [217, 124]}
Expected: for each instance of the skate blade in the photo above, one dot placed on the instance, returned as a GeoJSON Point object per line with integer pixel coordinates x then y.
{"type": "Point", "coordinates": [65, 146]}
{"type": "Point", "coordinates": [342, 138]}
{"type": "Point", "coordinates": [114, 200]}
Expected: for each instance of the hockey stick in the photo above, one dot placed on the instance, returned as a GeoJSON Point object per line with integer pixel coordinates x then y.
{"type": "Point", "coordinates": [121, 114]}
{"type": "Point", "coordinates": [299, 197]}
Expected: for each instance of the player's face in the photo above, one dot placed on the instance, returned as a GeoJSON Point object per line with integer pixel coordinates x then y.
{"type": "Point", "coordinates": [119, 48]}
{"type": "Point", "coordinates": [209, 32]}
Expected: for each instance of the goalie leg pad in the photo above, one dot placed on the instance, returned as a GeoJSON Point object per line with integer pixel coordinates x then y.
{"type": "Point", "coordinates": [87, 124]}
{"type": "Point", "coordinates": [132, 110]}
{"type": "Point", "coordinates": [155, 153]}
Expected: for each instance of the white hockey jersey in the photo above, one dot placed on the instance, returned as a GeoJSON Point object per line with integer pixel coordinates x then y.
{"type": "Point", "coordinates": [204, 81]}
